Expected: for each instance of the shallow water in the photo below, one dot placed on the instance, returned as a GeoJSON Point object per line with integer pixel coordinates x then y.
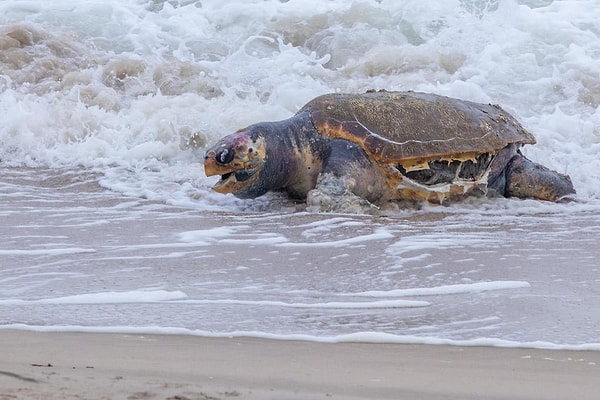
{"type": "Point", "coordinates": [109, 223]}
{"type": "Point", "coordinates": [77, 257]}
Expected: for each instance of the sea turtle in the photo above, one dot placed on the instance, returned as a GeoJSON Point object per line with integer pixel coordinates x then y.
{"type": "Point", "coordinates": [378, 146]}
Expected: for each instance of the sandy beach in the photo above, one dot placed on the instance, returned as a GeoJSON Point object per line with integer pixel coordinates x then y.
{"type": "Point", "coordinates": [108, 222]}
{"type": "Point", "coordinates": [38, 365]}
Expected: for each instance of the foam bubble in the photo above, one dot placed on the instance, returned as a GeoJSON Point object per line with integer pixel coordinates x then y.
{"type": "Point", "coordinates": [448, 289]}
{"type": "Point", "coordinates": [138, 296]}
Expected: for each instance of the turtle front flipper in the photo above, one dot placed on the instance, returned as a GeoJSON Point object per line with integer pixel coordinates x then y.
{"type": "Point", "coordinates": [349, 181]}
{"type": "Point", "coordinates": [526, 179]}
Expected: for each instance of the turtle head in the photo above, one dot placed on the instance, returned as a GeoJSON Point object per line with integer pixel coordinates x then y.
{"type": "Point", "coordinates": [239, 159]}
{"type": "Point", "coordinates": [282, 155]}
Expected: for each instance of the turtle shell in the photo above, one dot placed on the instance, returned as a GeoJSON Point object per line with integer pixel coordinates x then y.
{"type": "Point", "coordinates": [411, 129]}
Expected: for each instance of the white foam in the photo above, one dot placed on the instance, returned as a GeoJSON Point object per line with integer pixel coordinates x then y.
{"type": "Point", "coordinates": [50, 252]}
{"type": "Point", "coordinates": [357, 337]}
{"type": "Point", "coordinates": [231, 235]}
{"type": "Point", "coordinates": [328, 305]}
{"type": "Point", "coordinates": [437, 241]}
{"type": "Point", "coordinates": [379, 234]}
{"type": "Point", "coordinates": [234, 235]}
{"type": "Point", "coordinates": [477, 287]}
{"type": "Point", "coordinates": [213, 234]}
{"type": "Point", "coordinates": [128, 297]}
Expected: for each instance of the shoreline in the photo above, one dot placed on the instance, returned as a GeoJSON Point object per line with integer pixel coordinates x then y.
{"type": "Point", "coordinates": [71, 365]}
{"type": "Point", "coordinates": [366, 338]}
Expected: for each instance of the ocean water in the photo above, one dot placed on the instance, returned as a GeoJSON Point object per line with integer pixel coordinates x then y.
{"type": "Point", "coordinates": [109, 224]}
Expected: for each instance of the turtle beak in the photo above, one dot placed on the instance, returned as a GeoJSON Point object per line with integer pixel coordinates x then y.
{"type": "Point", "coordinates": [237, 158]}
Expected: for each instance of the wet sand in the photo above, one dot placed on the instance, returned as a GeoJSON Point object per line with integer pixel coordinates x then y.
{"type": "Point", "coordinates": [90, 366]}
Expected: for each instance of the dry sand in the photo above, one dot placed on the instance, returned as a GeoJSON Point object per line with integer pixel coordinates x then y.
{"type": "Point", "coordinates": [37, 365]}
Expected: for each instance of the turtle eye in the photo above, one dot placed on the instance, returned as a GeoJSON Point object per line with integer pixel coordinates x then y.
{"type": "Point", "coordinates": [225, 156]}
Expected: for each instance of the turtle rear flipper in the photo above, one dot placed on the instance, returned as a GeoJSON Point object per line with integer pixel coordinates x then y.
{"type": "Point", "coordinates": [349, 181]}
{"type": "Point", "coordinates": [526, 179]}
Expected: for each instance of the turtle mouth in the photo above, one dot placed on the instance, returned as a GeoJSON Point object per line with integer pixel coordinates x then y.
{"type": "Point", "coordinates": [231, 179]}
